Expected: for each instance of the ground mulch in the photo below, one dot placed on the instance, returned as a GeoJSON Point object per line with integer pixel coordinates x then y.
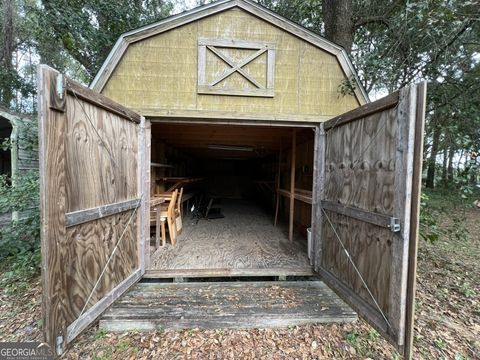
{"type": "Point", "coordinates": [447, 324]}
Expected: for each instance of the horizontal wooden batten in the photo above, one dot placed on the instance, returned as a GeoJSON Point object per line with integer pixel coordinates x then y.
{"type": "Point", "coordinates": [83, 216]}
{"type": "Point", "coordinates": [387, 102]}
{"type": "Point", "coordinates": [157, 115]}
{"type": "Point", "coordinates": [235, 43]}
{"type": "Point", "coordinates": [368, 216]}
{"type": "Point", "coordinates": [79, 91]}
{"type": "Point", "coordinates": [204, 89]}
{"type": "Point", "coordinates": [226, 272]}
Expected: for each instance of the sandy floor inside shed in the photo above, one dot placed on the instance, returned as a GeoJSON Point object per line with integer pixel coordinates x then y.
{"type": "Point", "coordinates": [244, 239]}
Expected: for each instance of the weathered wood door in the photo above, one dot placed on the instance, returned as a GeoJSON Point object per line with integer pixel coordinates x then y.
{"type": "Point", "coordinates": [365, 214]}
{"type": "Point", "coordinates": [94, 190]}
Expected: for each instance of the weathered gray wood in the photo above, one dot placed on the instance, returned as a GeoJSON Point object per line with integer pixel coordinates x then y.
{"type": "Point", "coordinates": [369, 166]}
{"type": "Point", "coordinates": [226, 305]}
{"type": "Point", "coordinates": [75, 328]}
{"type": "Point", "coordinates": [153, 164]}
{"type": "Point", "coordinates": [292, 185]}
{"type": "Point", "coordinates": [79, 91]}
{"type": "Point", "coordinates": [227, 272]}
{"type": "Point", "coordinates": [364, 215]}
{"type": "Point", "coordinates": [202, 64]}
{"type": "Point", "coordinates": [83, 216]}
{"type": "Point", "coordinates": [387, 102]}
{"type": "Point", "coordinates": [318, 194]}
{"type": "Point", "coordinates": [146, 194]}
{"type": "Point", "coordinates": [364, 309]}
{"type": "Point", "coordinates": [231, 118]}
{"type": "Point", "coordinates": [235, 43]}
{"type": "Point", "coordinates": [414, 218]}
{"type": "Point", "coordinates": [236, 67]}
{"type": "Point", "coordinates": [261, 90]}
{"type": "Point", "coordinates": [143, 168]}
{"type": "Point", "coordinates": [405, 122]}
{"type": "Point", "coordinates": [207, 89]}
{"type": "Point", "coordinates": [271, 68]}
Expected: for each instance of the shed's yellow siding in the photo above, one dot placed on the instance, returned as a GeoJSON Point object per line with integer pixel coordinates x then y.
{"type": "Point", "coordinates": [159, 74]}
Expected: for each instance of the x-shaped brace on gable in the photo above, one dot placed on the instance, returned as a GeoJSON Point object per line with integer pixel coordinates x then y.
{"type": "Point", "coordinates": [213, 85]}
{"type": "Point", "coordinates": [237, 67]}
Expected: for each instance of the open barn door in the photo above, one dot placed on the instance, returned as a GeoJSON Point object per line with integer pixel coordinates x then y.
{"type": "Point", "coordinates": [366, 207]}
{"type": "Point", "coordinates": [94, 191]}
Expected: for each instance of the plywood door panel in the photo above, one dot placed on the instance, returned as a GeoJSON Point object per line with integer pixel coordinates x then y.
{"type": "Point", "coordinates": [92, 158]}
{"type": "Point", "coordinates": [368, 164]}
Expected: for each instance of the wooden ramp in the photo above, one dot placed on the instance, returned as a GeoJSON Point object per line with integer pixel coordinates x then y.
{"type": "Point", "coordinates": [241, 305]}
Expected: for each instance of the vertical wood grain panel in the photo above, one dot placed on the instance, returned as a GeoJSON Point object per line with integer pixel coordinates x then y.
{"type": "Point", "coordinates": [102, 148]}
{"type": "Point", "coordinates": [90, 157]}
{"type": "Point", "coordinates": [369, 165]}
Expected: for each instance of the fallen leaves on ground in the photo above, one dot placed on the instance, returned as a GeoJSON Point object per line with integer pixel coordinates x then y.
{"type": "Point", "coordinates": [447, 322]}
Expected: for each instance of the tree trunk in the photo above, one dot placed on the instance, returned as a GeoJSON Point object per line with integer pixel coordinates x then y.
{"type": "Point", "coordinates": [6, 92]}
{"type": "Point", "coordinates": [430, 182]}
{"type": "Point", "coordinates": [451, 153]}
{"type": "Point", "coordinates": [338, 19]}
{"type": "Point", "coordinates": [444, 167]}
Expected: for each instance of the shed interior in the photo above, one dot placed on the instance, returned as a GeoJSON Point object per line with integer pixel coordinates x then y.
{"type": "Point", "coordinates": [5, 156]}
{"type": "Point", "coordinates": [231, 176]}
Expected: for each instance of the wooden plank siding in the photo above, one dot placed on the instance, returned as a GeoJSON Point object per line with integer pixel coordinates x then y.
{"type": "Point", "coordinates": [157, 76]}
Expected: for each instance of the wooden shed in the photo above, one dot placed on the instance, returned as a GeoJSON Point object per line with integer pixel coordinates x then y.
{"type": "Point", "coordinates": [240, 108]}
{"type": "Point", "coordinates": [21, 156]}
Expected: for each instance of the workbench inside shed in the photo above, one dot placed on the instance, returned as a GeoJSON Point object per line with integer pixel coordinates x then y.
{"type": "Point", "coordinates": [247, 173]}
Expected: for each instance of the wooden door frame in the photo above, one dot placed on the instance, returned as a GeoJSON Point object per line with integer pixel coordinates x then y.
{"type": "Point", "coordinates": [196, 273]}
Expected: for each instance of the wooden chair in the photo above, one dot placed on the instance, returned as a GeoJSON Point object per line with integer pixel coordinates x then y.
{"type": "Point", "coordinates": [178, 213]}
{"type": "Point", "coordinates": [165, 214]}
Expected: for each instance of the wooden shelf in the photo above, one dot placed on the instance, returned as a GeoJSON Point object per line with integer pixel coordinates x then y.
{"type": "Point", "coordinates": [178, 181]}
{"type": "Point", "coordinates": [161, 165]}
{"type": "Point", "coordinates": [299, 194]}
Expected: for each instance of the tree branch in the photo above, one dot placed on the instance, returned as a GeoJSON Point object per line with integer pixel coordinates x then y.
{"type": "Point", "coordinates": [371, 19]}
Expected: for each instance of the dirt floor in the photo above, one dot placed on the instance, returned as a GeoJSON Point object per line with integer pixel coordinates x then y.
{"type": "Point", "coordinates": [447, 324]}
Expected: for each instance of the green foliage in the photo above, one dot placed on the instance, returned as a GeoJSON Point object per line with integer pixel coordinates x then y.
{"type": "Point", "coordinates": [100, 333]}
{"type": "Point", "coordinates": [347, 87]}
{"type": "Point", "coordinates": [468, 291]}
{"type": "Point", "coordinates": [20, 239]}
{"type": "Point", "coordinates": [438, 204]}
{"type": "Point", "coordinates": [87, 30]}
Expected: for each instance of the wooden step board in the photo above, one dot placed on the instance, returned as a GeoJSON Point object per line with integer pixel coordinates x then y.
{"type": "Point", "coordinates": [215, 305]}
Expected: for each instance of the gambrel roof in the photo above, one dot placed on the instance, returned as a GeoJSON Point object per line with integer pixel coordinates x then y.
{"type": "Point", "coordinates": [198, 13]}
